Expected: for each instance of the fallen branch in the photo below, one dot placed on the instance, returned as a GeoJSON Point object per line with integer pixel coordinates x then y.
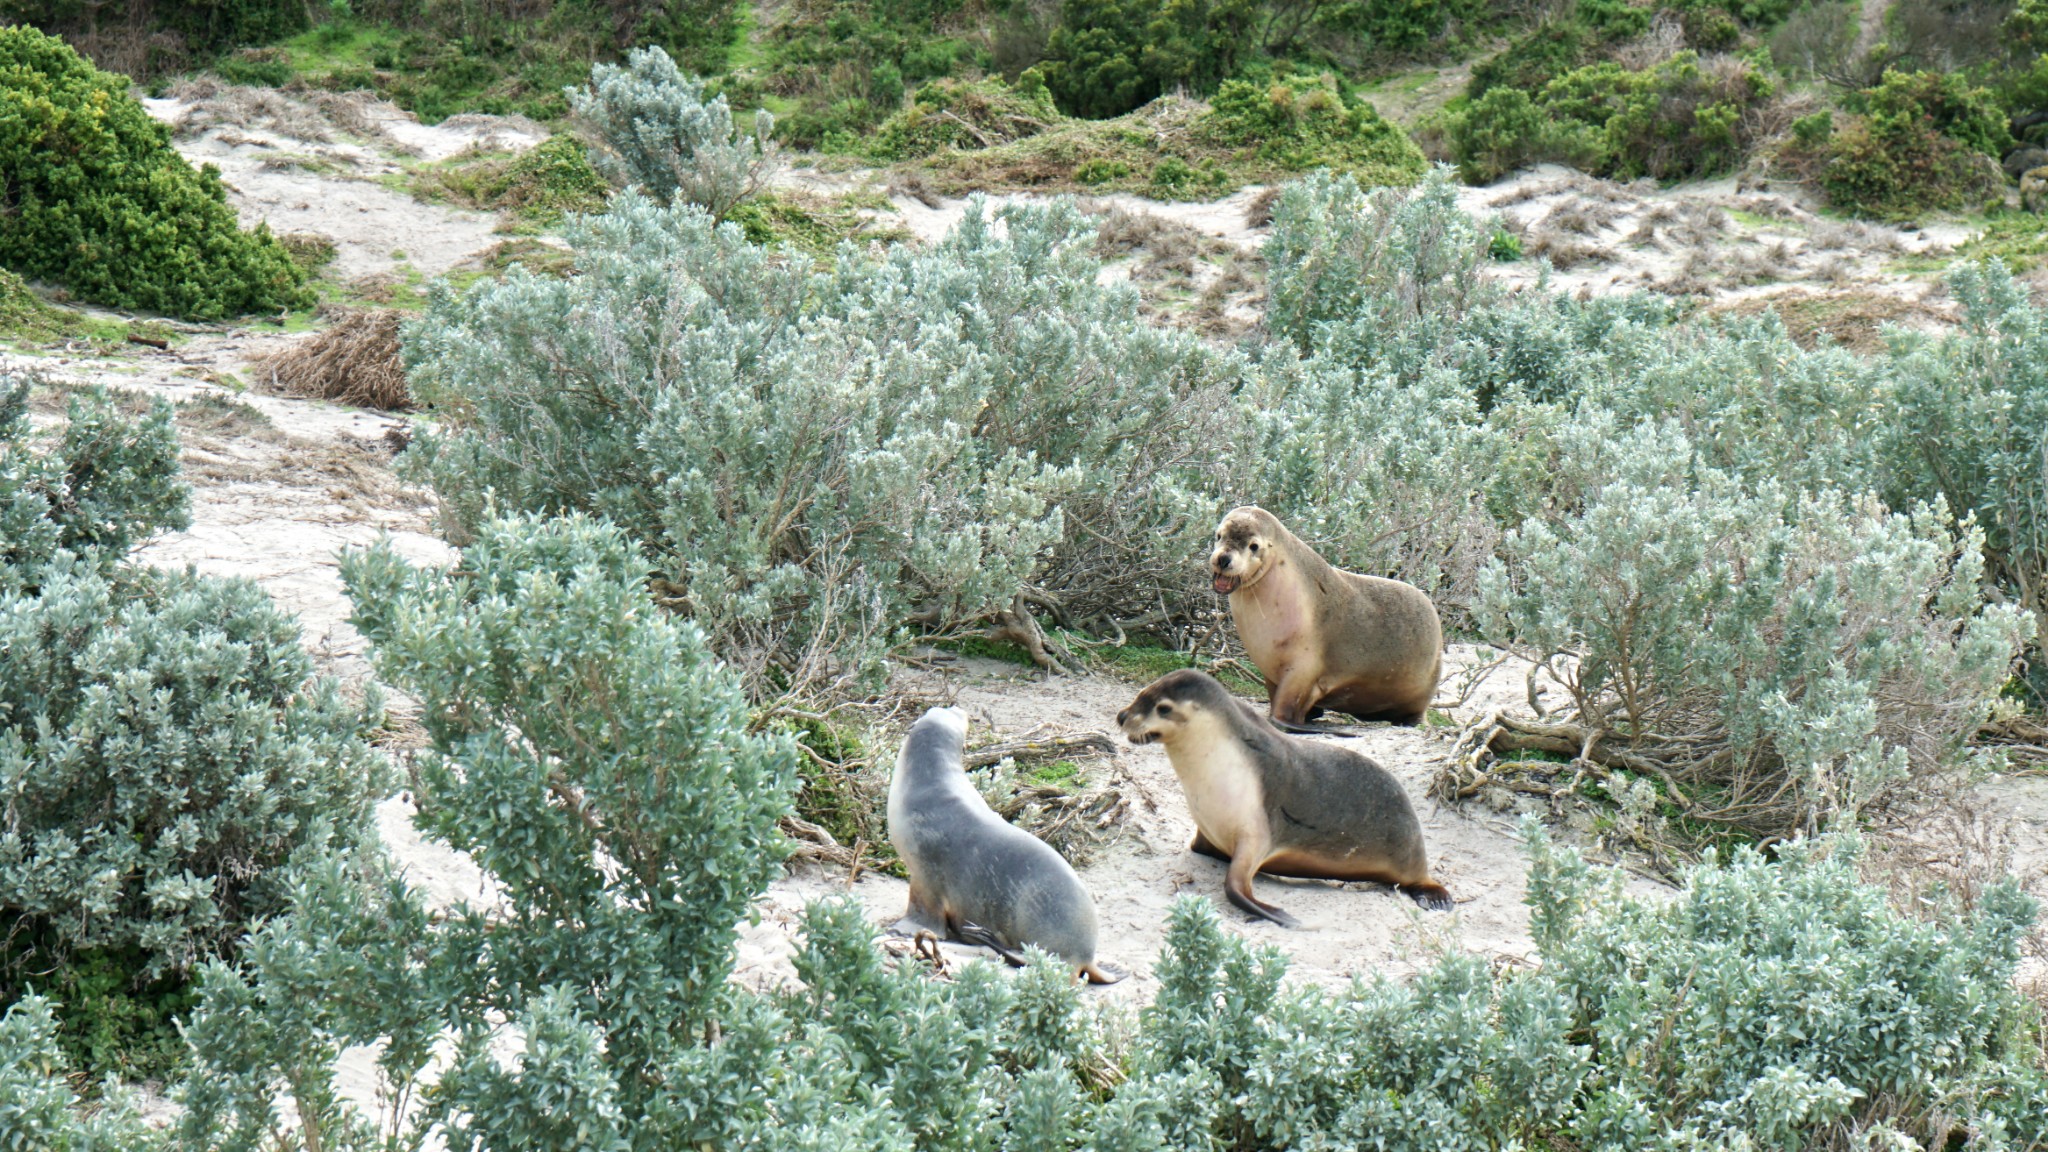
{"type": "Point", "coordinates": [1042, 748]}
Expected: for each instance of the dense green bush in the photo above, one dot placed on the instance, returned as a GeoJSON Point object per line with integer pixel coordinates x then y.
{"type": "Point", "coordinates": [816, 462]}
{"type": "Point", "coordinates": [1914, 142]}
{"type": "Point", "coordinates": [963, 114]}
{"type": "Point", "coordinates": [655, 131]}
{"type": "Point", "coordinates": [1306, 122]}
{"type": "Point", "coordinates": [1683, 117]}
{"type": "Point", "coordinates": [1107, 57]}
{"type": "Point", "coordinates": [99, 202]}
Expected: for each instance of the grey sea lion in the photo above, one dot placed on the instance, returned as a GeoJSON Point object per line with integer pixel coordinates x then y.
{"type": "Point", "coordinates": [973, 875]}
{"type": "Point", "coordinates": [1269, 802]}
{"type": "Point", "coordinates": [1324, 638]}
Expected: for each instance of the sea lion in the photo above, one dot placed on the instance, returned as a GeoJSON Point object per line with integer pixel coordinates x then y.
{"type": "Point", "coordinates": [1324, 638]}
{"type": "Point", "coordinates": [973, 875]}
{"type": "Point", "coordinates": [1269, 802]}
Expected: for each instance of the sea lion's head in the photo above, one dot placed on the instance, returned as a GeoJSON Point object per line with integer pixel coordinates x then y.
{"type": "Point", "coordinates": [1169, 704]}
{"type": "Point", "coordinates": [1247, 544]}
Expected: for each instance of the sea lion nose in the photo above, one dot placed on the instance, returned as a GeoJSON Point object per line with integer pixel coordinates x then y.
{"type": "Point", "coordinates": [1122, 716]}
{"type": "Point", "coordinates": [1222, 561]}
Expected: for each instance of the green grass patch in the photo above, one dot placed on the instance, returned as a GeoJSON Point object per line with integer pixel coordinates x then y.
{"type": "Point", "coordinates": [28, 321]}
{"type": "Point", "coordinates": [1058, 772]}
{"type": "Point", "coordinates": [1918, 264]}
{"type": "Point", "coordinates": [2018, 238]}
{"type": "Point", "coordinates": [812, 224]}
{"type": "Point", "coordinates": [536, 187]}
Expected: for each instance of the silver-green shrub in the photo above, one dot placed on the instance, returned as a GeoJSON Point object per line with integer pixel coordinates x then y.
{"type": "Point", "coordinates": [1968, 421]}
{"type": "Point", "coordinates": [655, 130]}
{"type": "Point", "coordinates": [163, 745]}
{"type": "Point", "coordinates": [817, 461]}
{"type": "Point", "coordinates": [1770, 1003]}
{"type": "Point", "coordinates": [39, 1108]}
{"type": "Point", "coordinates": [1799, 655]}
{"type": "Point", "coordinates": [1393, 257]}
{"type": "Point", "coordinates": [97, 488]}
{"type": "Point", "coordinates": [593, 759]}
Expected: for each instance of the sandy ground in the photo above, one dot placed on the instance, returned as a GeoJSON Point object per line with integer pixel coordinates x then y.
{"type": "Point", "coordinates": [1346, 929]}
{"type": "Point", "coordinates": [275, 503]}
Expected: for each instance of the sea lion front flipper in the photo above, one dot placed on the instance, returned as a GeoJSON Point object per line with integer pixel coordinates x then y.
{"type": "Point", "coordinates": [1238, 886]}
{"type": "Point", "coordinates": [968, 932]}
{"type": "Point", "coordinates": [1100, 973]}
{"type": "Point", "coordinates": [1202, 847]}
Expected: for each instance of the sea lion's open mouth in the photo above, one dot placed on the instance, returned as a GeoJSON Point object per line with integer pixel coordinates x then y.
{"type": "Point", "coordinates": [1225, 585]}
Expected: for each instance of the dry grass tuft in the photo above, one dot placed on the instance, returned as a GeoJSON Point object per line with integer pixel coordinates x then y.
{"type": "Point", "coordinates": [1582, 216]}
{"type": "Point", "coordinates": [1259, 212]}
{"type": "Point", "coordinates": [1565, 250]}
{"type": "Point", "coordinates": [354, 362]}
{"type": "Point", "coordinates": [364, 116]}
{"type": "Point", "coordinates": [229, 106]}
{"type": "Point", "coordinates": [1854, 320]}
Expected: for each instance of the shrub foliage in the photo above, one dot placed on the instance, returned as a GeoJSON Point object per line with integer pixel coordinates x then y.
{"type": "Point", "coordinates": [656, 131]}
{"type": "Point", "coordinates": [98, 201]}
{"type": "Point", "coordinates": [160, 747]}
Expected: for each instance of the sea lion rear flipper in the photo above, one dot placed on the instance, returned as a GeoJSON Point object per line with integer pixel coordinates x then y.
{"type": "Point", "coordinates": [1100, 973]}
{"type": "Point", "coordinates": [968, 932]}
{"type": "Point", "coordinates": [1434, 897]}
{"type": "Point", "coordinates": [1317, 730]}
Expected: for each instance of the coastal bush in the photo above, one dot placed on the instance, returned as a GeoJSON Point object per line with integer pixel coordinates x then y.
{"type": "Point", "coordinates": [93, 490]}
{"type": "Point", "coordinates": [1778, 660]}
{"type": "Point", "coordinates": [99, 201]}
{"type": "Point", "coordinates": [593, 759]}
{"type": "Point", "coordinates": [1307, 122]}
{"type": "Point", "coordinates": [162, 750]}
{"type": "Point", "coordinates": [1679, 118]}
{"type": "Point", "coordinates": [1970, 408]}
{"type": "Point", "coordinates": [656, 131]}
{"type": "Point", "coordinates": [943, 439]}
{"type": "Point", "coordinates": [1737, 1014]}
{"type": "Point", "coordinates": [1107, 57]}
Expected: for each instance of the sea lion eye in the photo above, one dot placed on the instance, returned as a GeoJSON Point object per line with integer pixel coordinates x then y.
{"type": "Point", "coordinates": [1166, 709]}
{"type": "Point", "coordinates": [1255, 545]}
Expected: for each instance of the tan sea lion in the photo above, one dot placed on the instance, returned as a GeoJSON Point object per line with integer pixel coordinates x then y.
{"type": "Point", "coordinates": [974, 876]}
{"type": "Point", "coordinates": [1324, 638]}
{"type": "Point", "coordinates": [1269, 802]}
